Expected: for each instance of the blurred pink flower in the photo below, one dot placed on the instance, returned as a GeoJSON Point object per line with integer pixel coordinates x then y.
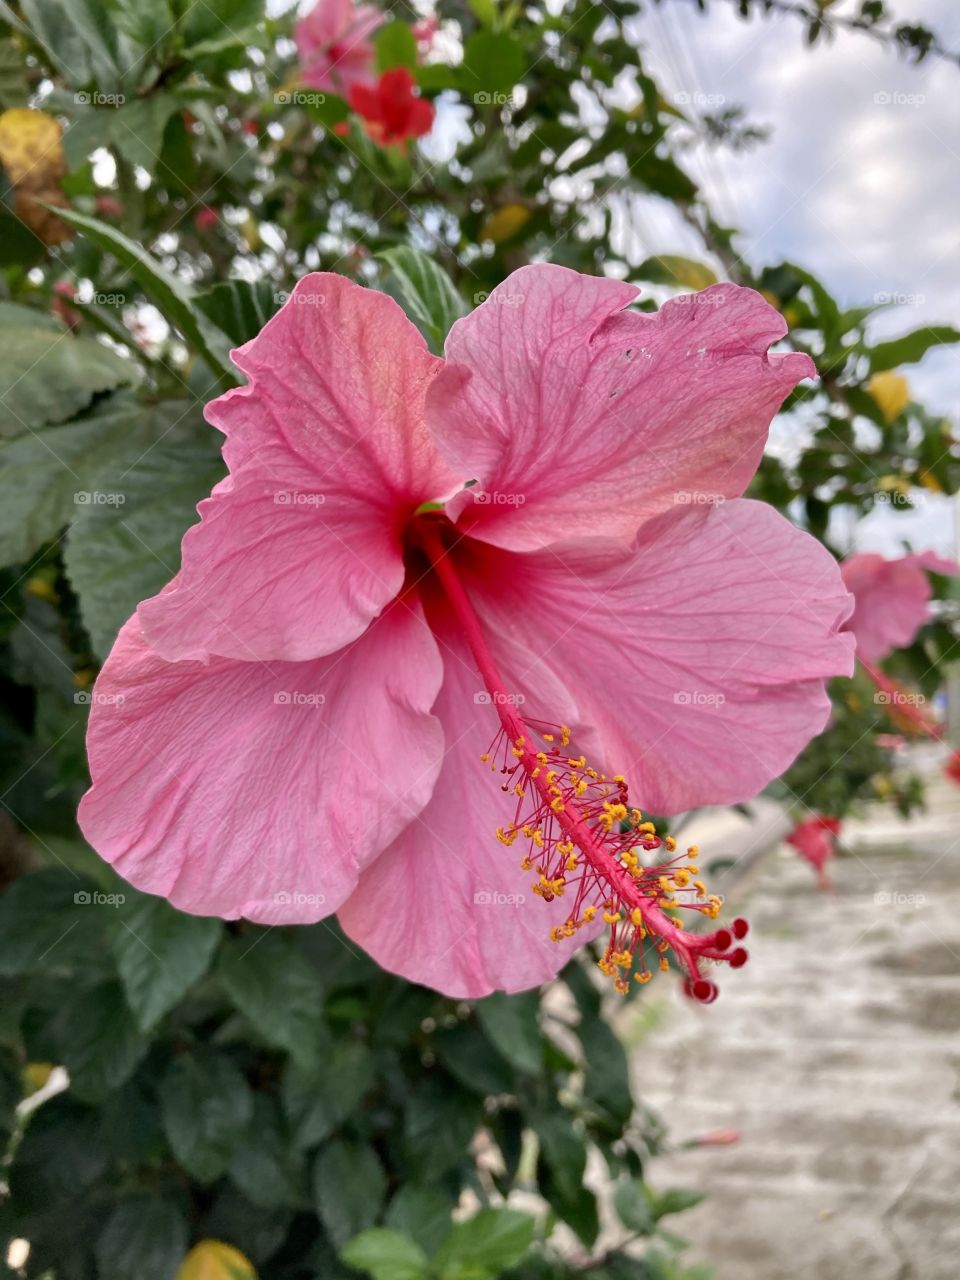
{"type": "Point", "coordinates": [816, 840]}
{"type": "Point", "coordinates": [892, 599]}
{"type": "Point", "coordinates": [291, 728]}
{"type": "Point", "coordinates": [425, 32]}
{"type": "Point", "coordinates": [334, 46]}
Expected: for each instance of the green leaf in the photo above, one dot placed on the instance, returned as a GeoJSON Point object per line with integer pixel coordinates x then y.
{"type": "Point", "coordinates": [511, 1023]}
{"type": "Point", "coordinates": [135, 129]}
{"type": "Point", "coordinates": [48, 920]}
{"type": "Point", "coordinates": [427, 293]}
{"type": "Point", "coordinates": [63, 1150]}
{"type": "Point", "coordinates": [144, 1238]}
{"type": "Point", "coordinates": [47, 376]}
{"type": "Point", "coordinates": [633, 1205]}
{"type": "Point", "coordinates": [911, 347]}
{"type": "Point", "coordinates": [13, 81]}
{"type": "Point", "coordinates": [349, 1188]}
{"type": "Point", "coordinates": [439, 1122]}
{"type": "Point", "coordinates": [100, 1042]}
{"type": "Point", "coordinates": [240, 309]}
{"type": "Point", "coordinates": [607, 1078]}
{"type": "Point", "coordinates": [676, 1200]}
{"type": "Point", "coordinates": [160, 953]}
{"type": "Point", "coordinates": [220, 24]}
{"type": "Point", "coordinates": [44, 473]}
{"type": "Point", "coordinates": [124, 544]}
{"type": "Point", "coordinates": [422, 1213]}
{"type": "Point", "coordinates": [671, 268]}
{"type": "Point", "coordinates": [469, 1056]}
{"type": "Point", "coordinates": [492, 65]}
{"type": "Point", "coordinates": [317, 1102]}
{"type": "Point", "coordinates": [207, 1105]}
{"type": "Point", "coordinates": [396, 46]}
{"type": "Point", "coordinates": [275, 988]}
{"type": "Point", "coordinates": [386, 1255]}
{"type": "Point", "coordinates": [266, 1166]}
{"type": "Point", "coordinates": [487, 1243]}
{"type": "Point", "coordinates": [174, 299]}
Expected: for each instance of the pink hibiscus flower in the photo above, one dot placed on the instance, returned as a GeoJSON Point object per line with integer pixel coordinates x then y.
{"type": "Point", "coordinates": [815, 839]}
{"type": "Point", "coordinates": [334, 47]}
{"type": "Point", "coordinates": [892, 599]}
{"type": "Point", "coordinates": [292, 727]}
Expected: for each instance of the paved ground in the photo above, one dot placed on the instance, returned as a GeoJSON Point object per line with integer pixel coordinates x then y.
{"type": "Point", "coordinates": [836, 1055]}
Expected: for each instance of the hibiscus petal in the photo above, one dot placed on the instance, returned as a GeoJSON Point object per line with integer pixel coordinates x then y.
{"type": "Point", "coordinates": [300, 546]}
{"type": "Point", "coordinates": [261, 789]}
{"type": "Point", "coordinates": [697, 657]}
{"type": "Point", "coordinates": [577, 418]}
{"type": "Point", "coordinates": [447, 905]}
{"type": "Point", "coordinates": [892, 599]}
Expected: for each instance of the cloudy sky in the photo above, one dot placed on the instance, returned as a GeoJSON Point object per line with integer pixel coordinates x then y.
{"type": "Point", "coordinates": [859, 182]}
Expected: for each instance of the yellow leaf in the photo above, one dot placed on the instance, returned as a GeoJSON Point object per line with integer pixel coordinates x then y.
{"type": "Point", "coordinates": [891, 392]}
{"type": "Point", "coordinates": [930, 481]}
{"type": "Point", "coordinates": [505, 223]}
{"type": "Point", "coordinates": [31, 152]}
{"type": "Point", "coordinates": [214, 1260]}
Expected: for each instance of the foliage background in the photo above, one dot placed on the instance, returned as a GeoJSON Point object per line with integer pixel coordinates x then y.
{"type": "Point", "coordinates": [272, 1089]}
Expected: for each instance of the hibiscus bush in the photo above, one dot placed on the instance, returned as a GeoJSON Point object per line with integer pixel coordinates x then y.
{"type": "Point", "coordinates": [193, 1097]}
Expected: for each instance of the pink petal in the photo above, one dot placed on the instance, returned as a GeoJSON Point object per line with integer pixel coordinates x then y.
{"type": "Point", "coordinates": [300, 546]}
{"type": "Point", "coordinates": [697, 658]}
{"type": "Point", "coordinates": [447, 905]}
{"type": "Point", "coordinates": [261, 789]}
{"type": "Point", "coordinates": [892, 599]}
{"type": "Point", "coordinates": [578, 418]}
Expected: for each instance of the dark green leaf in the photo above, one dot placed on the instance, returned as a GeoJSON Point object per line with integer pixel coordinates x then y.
{"type": "Point", "coordinates": [349, 1187]}
{"type": "Point", "coordinates": [487, 1243]}
{"type": "Point", "coordinates": [160, 953]}
{"type": "Point", "coordinates": [207, 1105]}
{"type": "Point", "coordinates": [427, 293]}
{"type": "Point", "coordinates": [144, 1238]}
{"type": "Point", "coordinates": [512, 1024]}
{"type": "Point", "coordinates": [386, 1255]}
{"type": "Point", "coordinates": [275, 988]}
{"type": "Point", "coordinates": [911, 347]}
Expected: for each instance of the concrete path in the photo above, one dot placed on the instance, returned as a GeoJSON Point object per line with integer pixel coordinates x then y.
{"type": "Point", "coordinates": [836, 1055]}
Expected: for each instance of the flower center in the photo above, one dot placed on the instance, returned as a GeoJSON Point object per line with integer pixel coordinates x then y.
{"type": "Point", "coordinates": [585, 841]}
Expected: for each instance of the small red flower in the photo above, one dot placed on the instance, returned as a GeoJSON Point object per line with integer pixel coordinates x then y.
{"type": "Point", "coordinates": [952, 767]}
{"type": "Point", "coordinates": [63, 294]}
{"type": "Point", "coordinates": [816, 841]}
{"type": "Point", "coordinates": [109, 207]}
{"type": "Point", "coordinates": [391, 110]}
{"type": "Point", "coordinates": [205, 219]}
